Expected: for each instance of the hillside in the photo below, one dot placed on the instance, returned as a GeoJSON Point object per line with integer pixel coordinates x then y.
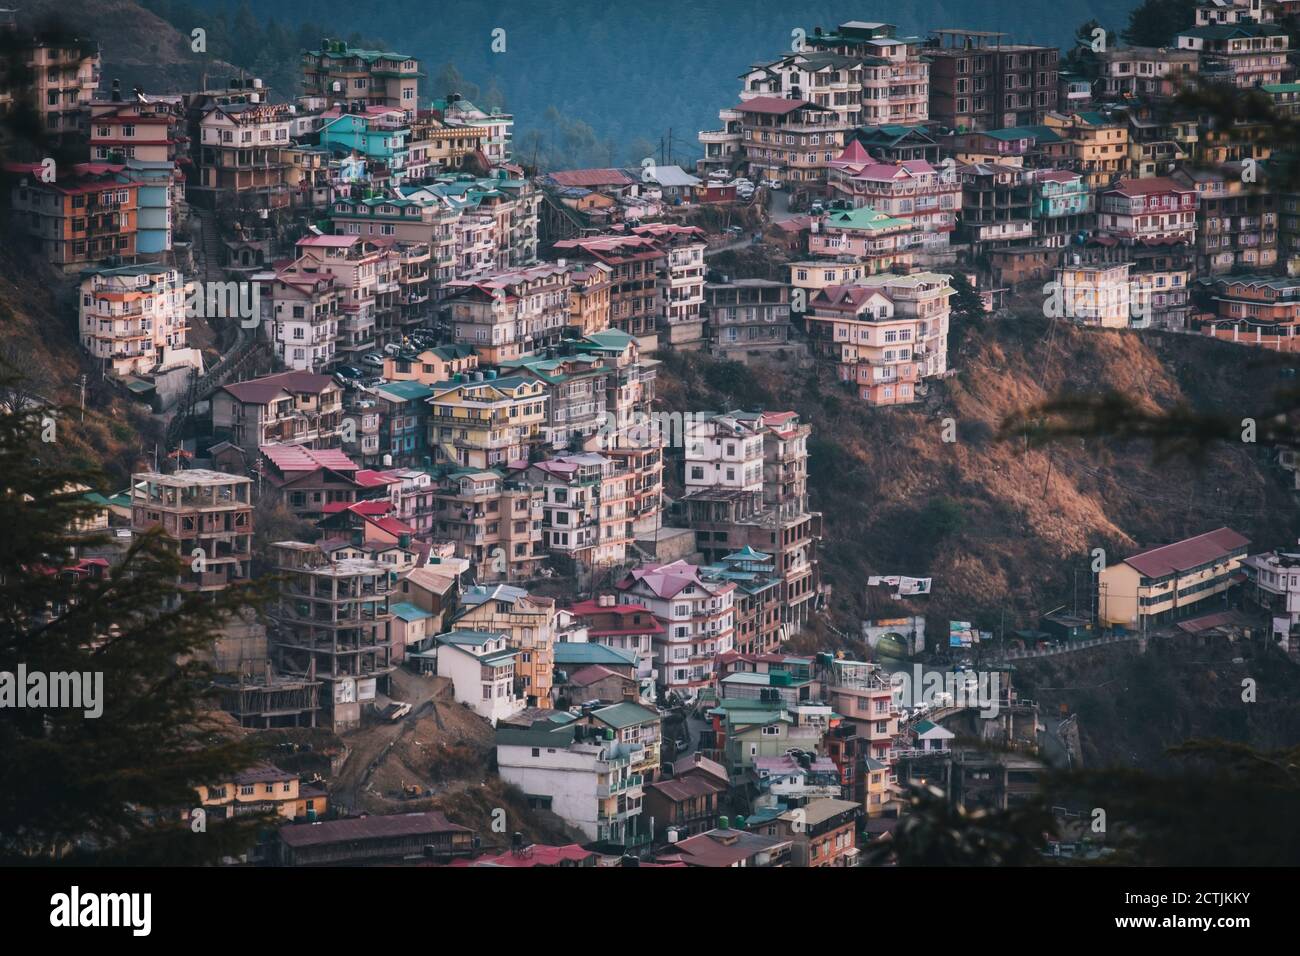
{"type": "Point", "coordinates": [136, 46]}
{"type": "Point", "coordinates": [1000, 526]}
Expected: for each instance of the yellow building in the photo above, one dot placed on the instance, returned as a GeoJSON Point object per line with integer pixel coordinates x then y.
{"type": "Point", "coordinates": [264, 788]}
{"type": "Point", "coordinates": [487, 422]}
{"type": "Point", "coordinates": [529, 625]}
{"type": "Point", "coordinates": [1172, 581]}
{"type": "Point", "coordinates": [1094, 145]}
{"type": "Point", "coordinates": [1096, 293]}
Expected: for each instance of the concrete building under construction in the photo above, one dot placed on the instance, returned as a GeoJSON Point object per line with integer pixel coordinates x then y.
{"type": "Point", "coordinates": [332, 624]}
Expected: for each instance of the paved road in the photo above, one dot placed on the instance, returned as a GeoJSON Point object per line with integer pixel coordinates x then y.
{"type": "Point", "coordinates": [778, 205]}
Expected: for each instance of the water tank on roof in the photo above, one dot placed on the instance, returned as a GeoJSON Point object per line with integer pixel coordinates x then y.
{"type": "Point", "coordinates": [388, 461]}
{"type": "Point", "coordinates": [724, 823]}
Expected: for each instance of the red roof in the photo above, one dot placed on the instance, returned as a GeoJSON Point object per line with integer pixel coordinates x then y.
{"type": "Point", "coordinates": [534, 855]}
{"type": "Point", "coordinates": [297, 458]}
{"type": "Point", "coordinates": [855, 153]}
{"type": "Point", "coordinates": [592, 673]}
{"type": "Point", "coordinates": [1153, 184]}
{"type": "Point", "coordinates": [369, 478]}
{"type": "Point", "coordinates": [391, 525]}
{"type": "Point", "coordinates": [260, 391]}
{"type": "Point", "coordinates": [773, 105]}
{"type": "Point", "coordinates": [1185, 555]}
{"type": "Point", "coordinates": [592, 177]}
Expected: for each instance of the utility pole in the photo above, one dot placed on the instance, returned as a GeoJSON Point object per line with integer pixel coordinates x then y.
{"type": "Point", "coordinates": [83, 396]}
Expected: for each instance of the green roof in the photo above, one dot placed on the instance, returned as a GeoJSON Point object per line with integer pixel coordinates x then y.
{"type": "Point", "coordinates": [409, 612]}
{"type": "Point", "coordinates": [865, 219]}
{"type": "Point", "coordinates": [624, 715]}
{"type": "Point", "coordinates": [404, 391]}
{"type": "Point", "coordinates": [543, 733]}
{"type": "Point", "coordinates": [1281, 87]}
{"type": "Point", "coordinates": [586, 653]}
{"type": "Point", "coordinates": [468, 638]}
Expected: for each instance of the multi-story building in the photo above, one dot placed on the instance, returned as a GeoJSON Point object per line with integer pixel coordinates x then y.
{"type": "Point", "coordinates": [529, 623]}
{"type": "Point", "coordinates": [304, 317]}
{"type": "Point", "coordinates": [241, 156]}
{"type": "Point", "coordinates": [724, 452]}
{"type": "Point", "coordinates": [492, 522]}
{"type": "Point", "coordinates": [635, 726]}
{"type": "Point", "coordinates": [821, 833]}
{"type": "Point", "coordinates": [886, 333]}
{"type": "Point", "coordinates": [1275, 585]}
{"type": "Point", "coordinates": [1147, 211]}
{"type": "Point", "coordinates": [483, 421]}
{"type": "Point", "coordinates": [1130, 73]}
{"type": "Point", "coordinates": [895, 74]}
{"type": "Point", "coordinates": [1095, 293]}
{"type": "Point", "coordinates": [1244, 54]}
{"type": "Point", "coordinates": [996, 205]}
{"type": "Point", "coordinates": [635, 262]}
{"type": "Point", "coordinates": [878, 240]}
{"type": "Point", "coordinates": [747, 318]}
{"type": "Point", "coordinates": [209, 516]}
{"type": "Point", "coordinates": [459, 113]}
{"type": "Point", "coordinates": [980, 81]}
{"type": "Point", "coordinates": [1237, 220]}
{"type": "Point", "coordinates": [88, 213]}
{"type": "Point", "coordinates": [379, 134]}
{"type": "Point", "coordinates": [63, 74]}
{"type": "Point", "coordinates": [698, 620]}
{"type": "Point", "coordinates": [132, 318]}
{"type": "Point", "coordinates": [343, 74]}
{"type": "Point", "coordinates": [288, 408]}
{"type": "Point", "coordinates": [504, 315]}
{"type": "Point", "coordinates": [587, 507]}
{"type": "Point", "coordinates": [1255, 310]}
{"type": "Point", "coordinates": [332, 622]}
{"type": "Point", "coordinates": [580, 772]}
{"type": "Point", "coordinates": [1090, 143]}
{"type": "Point", "coordinates": [680, 283]}
{"type": "Point", "coordinates": [915, 191]}
{"type": "Point", "coordinates": [481, 667]}
{"type": "Point", "coordinates": [364, 301]}
{"type": "Point", "coordinates": [863, 695]}
{"type": "Point", "coordinates": [792, 140]}
{"type": "Point", "coordinates": [1062, 205]}
{"type": "Point", "coordinates": [627, 627]}
{"type": "Point", "coordinates": [1171, 581]}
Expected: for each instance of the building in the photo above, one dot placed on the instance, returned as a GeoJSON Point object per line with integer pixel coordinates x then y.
{"type": "Point", "coordinates": [481, 666]}
{"type": "Point", "coordinates": [1244, 54]}
{"type": "Point", "coordinates": [587, 508]}
{"type": "Point", "coordinates": [1275, 585]}
{"type": "Point", "coordinates": [728, 847]}
{"type": "Point", "coordinates": [305, 317]}
{"type": "Point", "coordinates": [208, 515]}
{"type": "Point", "coordinates": [491, 521]}
{"type": "Point", "coordinates": [1255, 310]}
{"type": "Point", "coordinates": [580, 772]}
{"type": "Point", "coordinates": [288, 408]}
{"type": "Point", "coordinates": [635, 263]}
{"type": "Point", "coordinates": [697, 616]}
{"type": "Point", "coordinates": [61, 75]}
{"type": "Point", "coordinates": [822, 832]}
{"type": "Point", "coordinates": [878, 240]}
{"type": "Point", "coordinates": [684, 806]}
{"type": "Point", "coordinates": [384, 839]}
{"type": "Point", "coordinates": [1146, 73]}
{"type": "Point", "coordinates": [626, 627]}
{"type": "Point", "coordinates": [996, 204]}
{"type": "Point", "coordinates": [790, 139]}
{"type": "Point", "coordinates": [263, 788]}
{"type": "Point", "coordinates": [864, 695]}
{"type": "Point", "coordinates": [978, 80]}
{"type": "Point", "coordinates": [529, 623]}
{"type": "Point", "coordinates": [895, 72]}
{"type": "Point", "coordinates": [1094, 293]}
{"type": "Point", "coordinates": [885, 333]}
{"type": "Point", "coordinates": [636, 727]}
{"type": "Point", "coordinates": [89, 213]}
{"type": "Point", "coordinates": [355, 77]}
{"type": "Point", "coordinates": [482, 421]}
{"type": "Point", "coordinates": [504, 315]}
{"type": "Point", "coordinates": [747, 318]}
{"type": "Point", "coordinates": [1147, 211]}
{"type": "Point", "coordinates": [1169, 582]}
{"type": "Point", "coordinates": [1237, 220]}
{"type": "Point", "coordinates": [241, 158]}
{"type": "Point", "coordinates": [332, 623]}
{"type": "Point", "coordinates": [679, 283]}
{"type": "Point", "coordinates": [133, 319]}
{"type": "Point", "coordinates": [927, 197]}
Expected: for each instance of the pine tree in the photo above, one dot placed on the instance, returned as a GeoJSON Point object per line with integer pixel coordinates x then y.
{"type": "Point", "coordinates": [106, 789]}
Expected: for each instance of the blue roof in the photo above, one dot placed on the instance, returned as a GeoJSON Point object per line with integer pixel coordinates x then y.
{"type": "Point", "coordinates": [409, 612]}
{"type": "Point", "coordinates": [582, 653]}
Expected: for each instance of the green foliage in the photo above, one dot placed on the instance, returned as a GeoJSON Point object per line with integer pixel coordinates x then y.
{"type": "Point", "coordinates": [89, 789]}
{"type": "Point", "coordinates": [936, 833]}
{"type": "Point", "coordinates": [1080, 58]}
{"type": "Point", "coordinates": [1157, 22]}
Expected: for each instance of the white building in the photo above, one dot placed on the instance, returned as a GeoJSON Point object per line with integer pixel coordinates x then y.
{"type": "Point", "coordinates": [1276, 577]}
{"type": "Point", "coordinates": [698, 616]}
{"type": "Point", "coordinates": [481, 667]}
{"type": "Point", "coordinates": [724, 452]}
{"type": "Point", "coordinates": [582, 773]}
{"type": "Point", "coordinates": [132, 318]}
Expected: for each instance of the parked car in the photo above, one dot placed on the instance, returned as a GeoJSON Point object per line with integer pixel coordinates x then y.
{"type": "Point", "coordinates": [817, 208]}
{"type": "Point", "coordinates": [740, 181]}
{"type": "Point", "coordinates": [735, 230]}
{"type": "Point", "coordinates": [348, 371]}
{"type": "Point", "coordinates": [943, 699]}
{"type": "Point", "coordinates": [774, 184]}
{"type": "Point", "coordinates": [374, 358]}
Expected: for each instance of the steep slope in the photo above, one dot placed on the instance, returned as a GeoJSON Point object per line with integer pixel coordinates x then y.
{"type": "Point", "coordinates": [999, 525]}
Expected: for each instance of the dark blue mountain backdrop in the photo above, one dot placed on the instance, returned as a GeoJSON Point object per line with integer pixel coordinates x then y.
{"type": "Point", "coordinates": [612, 77]}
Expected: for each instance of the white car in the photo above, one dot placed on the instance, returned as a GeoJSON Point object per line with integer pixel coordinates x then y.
{"type": "Point", "coordinates": [740, 182]}
{"type": "Point", "coordinates": [774, 184]}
